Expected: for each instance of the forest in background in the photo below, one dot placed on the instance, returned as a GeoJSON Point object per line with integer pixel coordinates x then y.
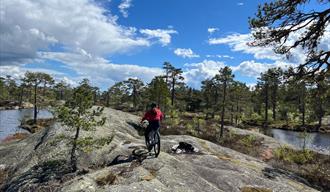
{"type": "Point", "coordinates": [279, 99]}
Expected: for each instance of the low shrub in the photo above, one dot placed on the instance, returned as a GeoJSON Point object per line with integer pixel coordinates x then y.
{"type": "Point", "coordinates": [290, 155]}
{"type": "Point", "coordinates": [248, 140]}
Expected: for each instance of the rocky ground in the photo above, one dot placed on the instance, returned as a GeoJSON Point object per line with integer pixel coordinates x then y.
{"type": "Point", "coordinates": [39, 163]}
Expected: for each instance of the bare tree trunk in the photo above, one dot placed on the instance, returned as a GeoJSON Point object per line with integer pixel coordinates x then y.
{"type": "Point", "coordinates": [320, 103]}
{"type": "Point", "coordinates": [167, 86]}
{"type": "Point", "coordinates": [237, 112]}
{"type": "Point", "coordinates": [216, 97]}
{"type": "Point", "coordinates": [223, 108]}
{"type": "Point", "coordinates": [274, 102]}
{"type": "Point", "coordinates": [266, 106]}
{"type": "Point", "coordinates": [231, 114]}
{"type": "Point", "coordinates": [61, 94]}
{"type": "Point", "coordinates": [158, 97]}
{"type": "Point", "coordinates": [108, 99]}
{"type": "Point", "coordinates": [35, 104]}
{"type": "Point", "coordinates": [73, 158]}
{"type": "Point", "coordinates": [173, 91]}
{"type": "Point", "coordinates": [21, 96]}
{"type": "Point", "coordinates": [134, 98]}
{"type": "Point", "coordinates": [44, 89]}
{"type": "Point", "coordinates": [95, 97]}
{"type": "Point", "coordinates": [303, 105]}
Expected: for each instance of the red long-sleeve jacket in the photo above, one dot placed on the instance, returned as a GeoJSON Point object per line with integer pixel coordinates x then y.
{"type": "Point", "coordinates": [153, 115]}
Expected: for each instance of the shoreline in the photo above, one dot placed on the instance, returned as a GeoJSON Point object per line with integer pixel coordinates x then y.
{"type": "Point", "coordinates": [308, 128]}
{"type": "Point", "coordinates": [15, 105]}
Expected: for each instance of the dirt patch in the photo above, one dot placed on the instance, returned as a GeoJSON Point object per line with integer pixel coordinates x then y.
{"type": "Point", "coordinates": [30, 126]}
{"type": "Point", "coordinates": [255, 189]}
{"type": "Point", "coordinates": [15, 137]}
{"type": "Point", "coordinates": [4, 174]}
{"type": "Point", "coordinates": [107, 179]}
{"type": "Point", "coordinates": [148, 177]}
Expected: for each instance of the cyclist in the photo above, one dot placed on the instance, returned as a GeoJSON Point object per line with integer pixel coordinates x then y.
{"type": "Point", "coordinates": [153, 116]}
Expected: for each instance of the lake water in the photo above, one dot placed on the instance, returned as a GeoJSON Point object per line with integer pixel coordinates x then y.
{"type": "Point", "coordinates": [11, 119]}
{"type": "Point", "coordinates": [316, 141]}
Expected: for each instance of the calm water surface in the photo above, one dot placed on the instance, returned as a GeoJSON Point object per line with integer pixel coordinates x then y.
{"type": "Point", "coordinates": [316, 141]}
{"type": "Point", "coordinates": [11, 119]}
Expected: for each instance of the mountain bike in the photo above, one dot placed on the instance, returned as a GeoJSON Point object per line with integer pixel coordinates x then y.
{"type": "Point", "coordinates": [153, 142]}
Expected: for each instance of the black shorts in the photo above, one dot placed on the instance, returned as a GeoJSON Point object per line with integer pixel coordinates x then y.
{"type": "Point", "coordinates": [153, 125]}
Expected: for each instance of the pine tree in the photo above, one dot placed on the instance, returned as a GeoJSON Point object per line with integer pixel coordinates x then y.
{"type": "Point", "coordinates": [35, 80]}
{"type": "Point", "coordinates": [277, 21]}
{"type": "Point", "coordinates": [77, 114]}
{"type": "Point", "coordinates": [225, 77]}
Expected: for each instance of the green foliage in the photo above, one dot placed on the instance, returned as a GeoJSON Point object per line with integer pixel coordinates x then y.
{"type": "Point", "coordinates": [290, 155]}
{"type": "Point", "coordinates": [6, 84]}
{"type": "Point", "coordinates": [291, 102]}
{"type": "Point", "coordinates": [118, 94]}
{"type": "Point", "coordinates": [174, 113]}
{"type": "Point", "coordinates": [190, 127]}
{"type": "Point", "coordinates": [175, 121]}
{"type": "Point", "coordinates": [173, 78]}
{"type": "Point", "coordinates": [248, 140]}
{"type": "Point", "coordinates": [256, 116]}
{"type": "Point", "coordinates": [77, 113]}
{"type": "Point", "coordinates": [270, 27]}
{"type": "Point", "coordinates": [60, 138]}
{"type": "Point", "coordinates": [157, 91]}
{"type": "Point", "coordinates": [62, 91]}
{"type": "Point", "coordinates": [134, 88]}
{"type": "Point", "coordinates": [88, 143]}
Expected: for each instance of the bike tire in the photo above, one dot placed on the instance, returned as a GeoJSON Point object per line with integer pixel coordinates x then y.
{"type": "Point", "coordinates": [149, 141]}
{"type": "Point", "coordinates": [157, 144]}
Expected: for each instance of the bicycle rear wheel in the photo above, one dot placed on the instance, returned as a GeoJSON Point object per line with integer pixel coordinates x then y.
{"type": "Point", "coordinates": [156, 144]}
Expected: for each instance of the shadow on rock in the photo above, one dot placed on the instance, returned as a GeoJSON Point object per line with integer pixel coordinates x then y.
{"type": "Point", "coordinates": [137, 127]}
{"type": "Point", "coordinates": [48, 174]}
{"type": "Point", "coordinates": [138, 155]}
{"type": "Point", "coordinates": [272, 173]}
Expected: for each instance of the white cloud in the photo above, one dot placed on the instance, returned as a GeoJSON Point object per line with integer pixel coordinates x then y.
{"type": "Point", "coordinates": [163, 35]}
{"type": "Point", "coordinates": [253, 69]}
{"type": "Point", "coordinates": [185, 53]}
{"type": "Point", "coordinates": [101, 71]}
{"type": "Point", "coordinates": [194, 73]}
{"type": "Point", "coordinates": [80, 31]}
{"type": "Point", "coordinates": [124, 6]}
{"type": "Point", "coordinates": [17, 73]}
{"type": "Point", "coordinates": [211, 30]}
{"type": "Point", "coordinates": [29, 26]}
{"type": "Point", "coordinates": [239, 43]}
{"type": "Point", "coordinates": [240, 4]}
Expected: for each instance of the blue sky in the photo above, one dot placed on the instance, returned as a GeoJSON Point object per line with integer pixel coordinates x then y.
{"type": "Point", "coordinates": [110, 41]}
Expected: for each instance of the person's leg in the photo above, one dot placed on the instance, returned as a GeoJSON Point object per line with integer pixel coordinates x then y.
{"type": "Point", "coordinates": [156, 126]}
{"type": "Point", "coordinates": [146, 134]}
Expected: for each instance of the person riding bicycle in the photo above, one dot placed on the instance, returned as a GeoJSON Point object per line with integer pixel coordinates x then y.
{"type": "Point", "coordinates": [153, 116]}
